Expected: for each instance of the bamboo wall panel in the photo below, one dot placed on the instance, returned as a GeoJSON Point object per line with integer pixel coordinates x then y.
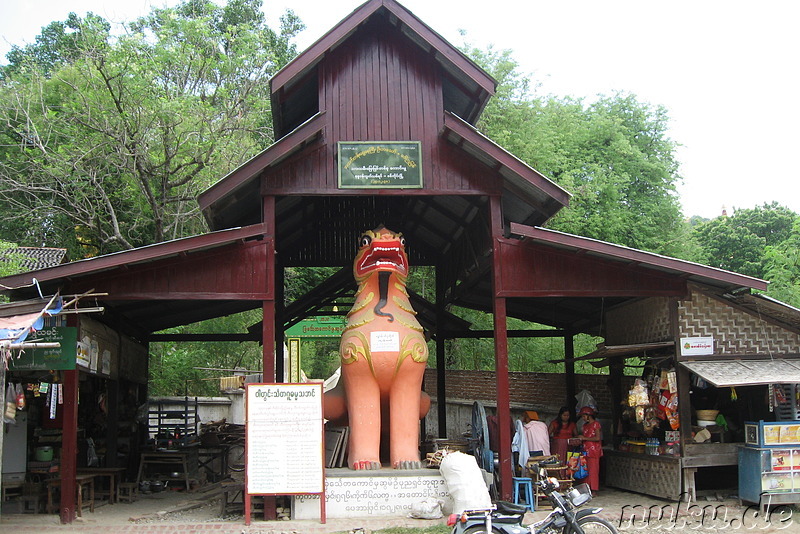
{"type": "Point", "coordinates": [644, 321]}
{"type": "Point", "coordinates": [734, 330]}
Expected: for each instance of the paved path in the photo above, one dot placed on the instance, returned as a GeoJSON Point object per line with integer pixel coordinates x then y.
{"type": "Point", "coordinates": [631, 512]}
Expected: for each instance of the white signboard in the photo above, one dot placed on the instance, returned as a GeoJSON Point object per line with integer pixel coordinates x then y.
{"type": "Point", "coordinates": [697, 346]}
{"type": "Point", "coordinates": [285, 448]}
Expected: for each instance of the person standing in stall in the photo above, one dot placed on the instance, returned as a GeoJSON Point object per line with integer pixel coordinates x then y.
{"type": "Point", "coordinates": [536, 434]}
{"type": "Point", "coordinates": [592, 438]}
{"type": "Point", "coordinates": [561, 430]}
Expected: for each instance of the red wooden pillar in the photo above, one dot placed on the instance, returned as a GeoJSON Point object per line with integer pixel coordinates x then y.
{"type": "Point", "coordinates": [268, 323]}
{"type": "Point", "coordinates": [501, 354]}
{"type": "Point", "coordinates": [69, 446]}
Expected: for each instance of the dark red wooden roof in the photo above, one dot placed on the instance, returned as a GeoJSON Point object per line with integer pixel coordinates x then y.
{"type": "Point", "coordinates": [466, 87]}
{"type": "Point", "coordinates": [548, 277]}
{"type": "Point", "coordinates": [379, 75]}
{"type": "Point", "coordinates": [567, 281]}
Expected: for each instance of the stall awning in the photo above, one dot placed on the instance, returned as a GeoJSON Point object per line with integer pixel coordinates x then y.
{"type": "Point", "coordinates": [746, 372]}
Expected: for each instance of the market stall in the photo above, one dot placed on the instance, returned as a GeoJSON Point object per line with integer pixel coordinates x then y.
{"type": "Point", "coordinates": [74, 430]}
{"type": "Point", "coordinates": [703, 369]}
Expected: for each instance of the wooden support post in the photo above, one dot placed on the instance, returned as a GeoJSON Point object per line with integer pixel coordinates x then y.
{"type": "Point", "coordinates": [501, 353]}
{"type": "Point", "coordinates": [268, 324]}
{"type": "Point", "coordinates": [616, 369]}
{"type": "Point", "coordinates": [569, 370]}
{"type": "Point", "coordinates": [441, 365]}
{"type": "Point", "coordinates": [268, 306]}
{"type": "Point", "coordinates": [69, 446]}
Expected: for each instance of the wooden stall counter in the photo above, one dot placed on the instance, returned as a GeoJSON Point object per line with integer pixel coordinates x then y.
{"type": "Point", "coordinates": [659, 476]}
{"type": "Point", "coordinates": [668, 477]}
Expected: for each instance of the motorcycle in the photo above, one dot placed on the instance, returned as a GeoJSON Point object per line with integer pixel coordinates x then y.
{"type": "Point", "coordinates": [565, 518]}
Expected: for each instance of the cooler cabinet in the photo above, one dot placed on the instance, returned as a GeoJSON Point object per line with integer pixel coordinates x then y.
{"type": "Point", "coordinates": [769, 476]}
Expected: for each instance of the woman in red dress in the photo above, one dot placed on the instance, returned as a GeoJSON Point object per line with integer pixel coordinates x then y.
{"type": "Point", "coordinates": [562, 428]}
{"type": "Point", "coordinates": [592, 439]}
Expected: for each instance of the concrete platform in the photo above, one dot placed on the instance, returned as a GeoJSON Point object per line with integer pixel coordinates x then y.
{"type": "Point", "coordinates": [379, 493]}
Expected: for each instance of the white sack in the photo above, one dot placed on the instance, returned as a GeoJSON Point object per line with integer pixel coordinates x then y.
{"type": "Point", "coordinates": [465, 482]}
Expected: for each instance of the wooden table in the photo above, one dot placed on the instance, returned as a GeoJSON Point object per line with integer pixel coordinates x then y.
{"type": "Point", "coordinates": [169, 461]}
{"type": "Point", "coordinates": [206, 456]}
{"type": "Point", "coordinates": [81, 481]}
{"type": "Point", "coordinates": [114, 475]}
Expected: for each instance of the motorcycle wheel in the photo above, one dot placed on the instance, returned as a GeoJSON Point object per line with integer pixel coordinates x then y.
{"type": "Point", "coordinates": [480, 529]}
{"type": "Point", "coordinates": [592, 524]}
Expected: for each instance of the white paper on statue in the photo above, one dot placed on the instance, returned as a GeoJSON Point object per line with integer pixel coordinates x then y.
{"type": "Point", "coordinates": [384, 341]}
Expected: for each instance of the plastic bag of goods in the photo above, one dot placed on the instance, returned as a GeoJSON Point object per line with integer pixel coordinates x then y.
{"type": "Point", "coordinates": [428, 508]}
{"type": "Point", "coordinates": [465, 482]}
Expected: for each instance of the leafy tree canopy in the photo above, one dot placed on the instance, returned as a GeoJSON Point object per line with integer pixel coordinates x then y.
{"type": "Point", "coordinates": [739, 242]}
{"type": "Point", "coordinates": [613, 155]}
{"type": "Point", "coordinates": [106, 142]}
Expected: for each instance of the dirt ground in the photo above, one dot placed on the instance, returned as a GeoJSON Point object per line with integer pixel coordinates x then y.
{"type": "Point", "coordinates": [179, 512]}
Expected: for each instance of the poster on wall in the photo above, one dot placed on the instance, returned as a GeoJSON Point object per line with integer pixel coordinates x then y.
{"type": "Point", "coordinates": [284, 431]}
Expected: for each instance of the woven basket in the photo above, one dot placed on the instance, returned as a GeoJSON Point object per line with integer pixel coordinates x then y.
{"type": "Point", "coordinates": [707, 415]}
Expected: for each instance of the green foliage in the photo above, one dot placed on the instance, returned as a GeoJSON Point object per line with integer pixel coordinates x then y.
{"type": "Point", "coordinates": [110, 140]}
{"type": "Point", "coordinates": [9, 262]}
{"type": "Point", "coordinates": [613, 155]}
{"type": "Point", "coordinates": [60, 43]}
{"type": "Point", "coordinates": [174, 366]}
{"type": "Point", "coordinates": [740, 242]}
{"type": "Point", "coordinates": [782, 267]}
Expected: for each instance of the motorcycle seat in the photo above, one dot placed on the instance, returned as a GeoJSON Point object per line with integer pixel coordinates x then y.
{"type": "Point", "coordinates": [509, 508]}
{"type": "Point", "coordinates": [511, 519]}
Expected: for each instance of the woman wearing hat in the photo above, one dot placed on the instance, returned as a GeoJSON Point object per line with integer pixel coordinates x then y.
{"type": "Point", "coordinates": [592, 438]}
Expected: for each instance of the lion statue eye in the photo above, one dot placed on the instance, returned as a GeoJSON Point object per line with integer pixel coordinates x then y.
{"type": "Point", "coordinates": [365, 241]}
{"type": "Point", "coordinates": [403, 241]}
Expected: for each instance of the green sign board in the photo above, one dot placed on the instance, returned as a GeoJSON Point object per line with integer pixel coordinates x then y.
{"type": "Point", "coordinates": [60, 359]}
{"type": "Point", "coordinates": [318, 327]}
{"type": "Point", "coordinates": [380, 164]}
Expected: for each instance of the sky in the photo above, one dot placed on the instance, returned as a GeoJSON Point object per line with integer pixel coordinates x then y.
{"type": "Point", "coordinates": [726, 71]}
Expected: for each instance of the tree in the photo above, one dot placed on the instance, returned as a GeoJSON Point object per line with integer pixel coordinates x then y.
{"type": "Point", "coordinates": [109, 141]}
{"type": "Point", "coordinates": [739, 242]}
{"type": "Point", "coordinates": [613, 155]}
{"type": "Point", "coordinates": [782, 267]}
{"type": "Point", "coordinates": [10, 263]}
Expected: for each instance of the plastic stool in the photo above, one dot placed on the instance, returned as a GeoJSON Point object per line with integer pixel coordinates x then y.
{"type": "Point", "coordinates": [522, 484]}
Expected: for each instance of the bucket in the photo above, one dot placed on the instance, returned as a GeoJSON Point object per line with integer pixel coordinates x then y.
{"type": "Point", "coordinates": [43, 454]}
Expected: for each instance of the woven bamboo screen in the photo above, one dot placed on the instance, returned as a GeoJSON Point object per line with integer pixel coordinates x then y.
{"type": "Point", "coordinates": [734, 331]}
{"type": "Point", "coordinates": [644, 321]}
